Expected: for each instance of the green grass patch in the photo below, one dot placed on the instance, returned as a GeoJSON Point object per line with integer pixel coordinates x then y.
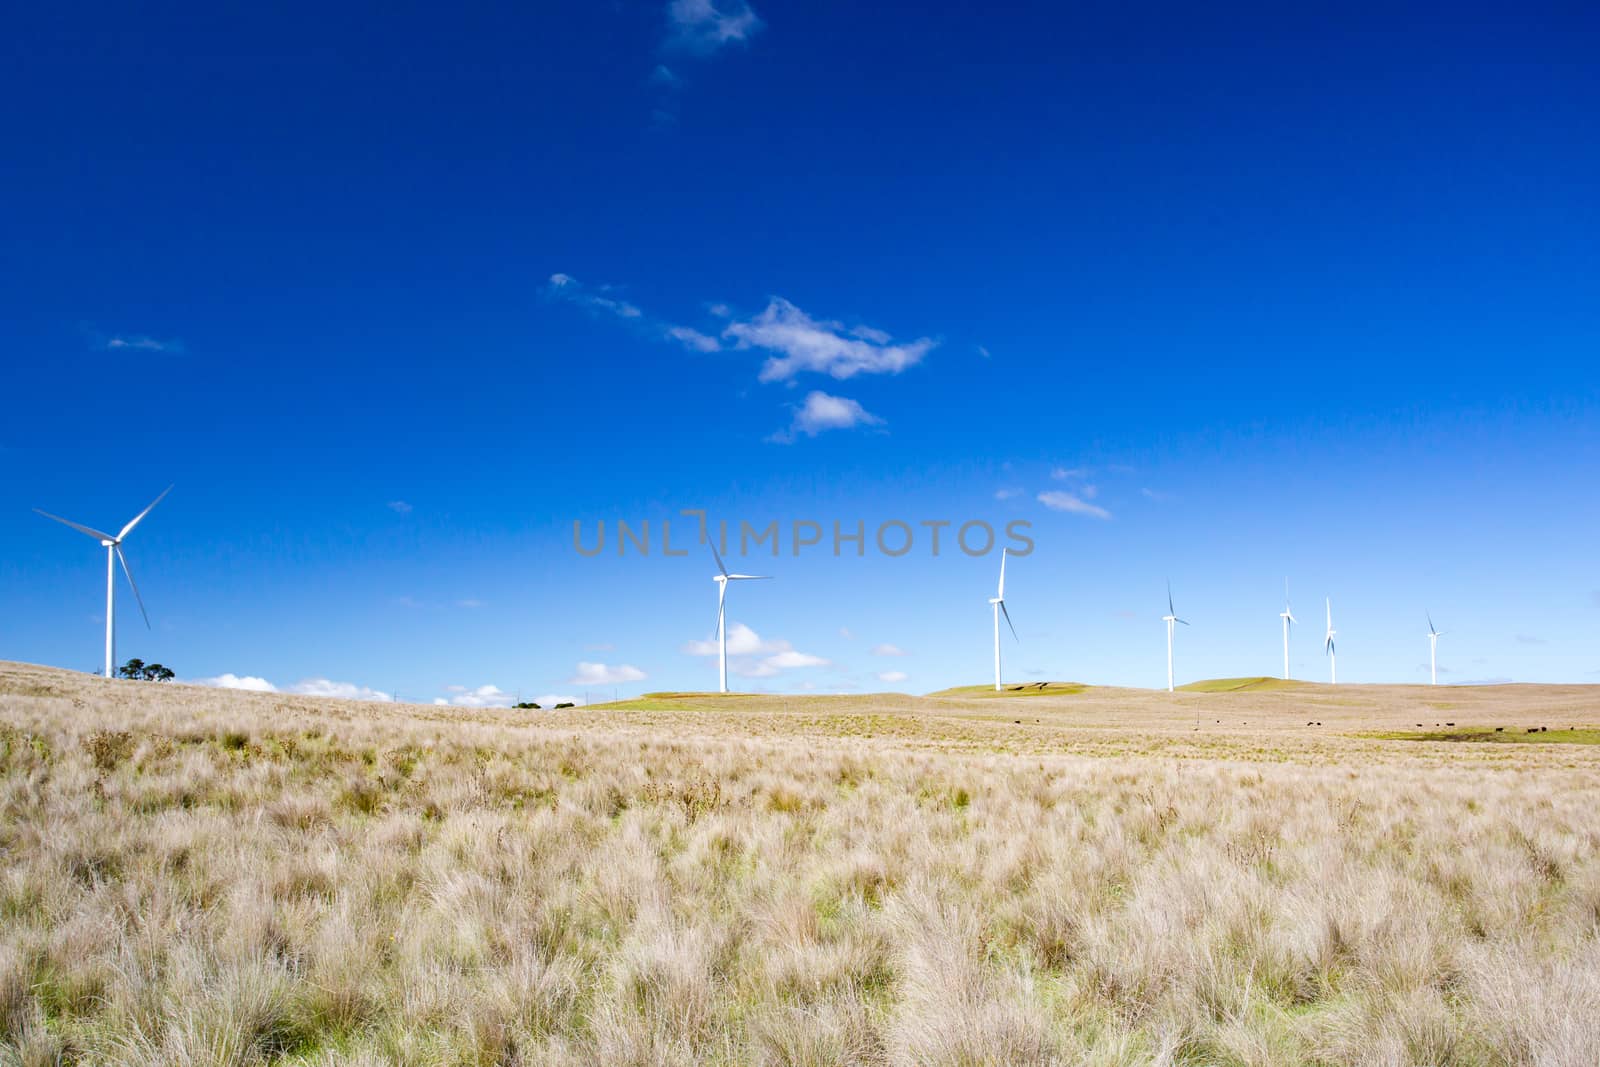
{"type": "Point", "coordinates": [1024, 689]}
{"type": "Point", "coordinates": [1508, 735]}
{"type": "Point", "coordinates": [1260, 684]}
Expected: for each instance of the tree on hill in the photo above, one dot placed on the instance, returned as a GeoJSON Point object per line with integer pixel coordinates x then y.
{"type": "Point", "coordinates": [139, 670]}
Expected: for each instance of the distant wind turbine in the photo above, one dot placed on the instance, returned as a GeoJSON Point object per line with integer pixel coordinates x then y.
{"type": "Point", "coordinates": [722, 578]}
{"type": "Point", "coordinates": [1327, 646]}
{"type": "Point", "coordinates": [998, 603]}
{"type": "Point", "coordinates": [1170, 618]}
{"type": "Point", "coordinates": [1288, 620]}
{"type": "Point", "coordinates": [113, 547]}
{"type": "Point", "coordinates": [1433, 650]}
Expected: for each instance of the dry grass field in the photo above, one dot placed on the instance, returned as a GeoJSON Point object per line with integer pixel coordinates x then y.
{"type": "Point", "coordinates": [1265, 875]}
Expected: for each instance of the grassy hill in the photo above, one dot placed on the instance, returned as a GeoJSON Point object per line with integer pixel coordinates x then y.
{"type": "Point", "coordinates": [200, 876]}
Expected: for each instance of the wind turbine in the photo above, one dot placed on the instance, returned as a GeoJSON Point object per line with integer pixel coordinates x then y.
{"type": "Point", "coordinates": [1170, 618]}
{"type": "Point", "coordinates": [113, 547]}
{"type": "Point", "coordinates": [998, 602]}
{"type": "Point", "coordinates": [722, 579]}
{"type": "Point", "coordinates": [1327, 646]}
{"type": "Point", "coordinates": [1288, 620]}
{"type": "Point", "coordinates": [1433, 650]}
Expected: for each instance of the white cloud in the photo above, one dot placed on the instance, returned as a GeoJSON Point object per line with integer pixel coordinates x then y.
{"type": "Point", "coordinates": [325, 687]}
{"type": "Point", "coordinates": [234, 681]}
{"type": "Point", "coordinates": [1007, 493]}
{"type": "Point", "coordinates": [787, 660]}
{"type": "Point", "coordinates": [824, 412]}
{"type": "Point", "coordinates": [399, 507]}
{"type": "Point", "coordinates": [139, 343]}
{"type": "Point", "coordinates": [566, 287]}
{"type": "Point", "coordinates": [822, 347]}
{"type": "Point", "coordinates": [694, 339]}
{"type": "Point", "coordinates": [1056, 500]}
{"type": "Point", "coordinates": [892, 676]}
{"type": "Point", "coordinates": [845, 632]}
{"type": "Point", "coordinates": [550, 700]}
{"type": "Point", "coordinates": [750, 656]}
{"type": "Point", "coordinates": [484, 696]}
{"type": "Point", "coordinates": [982, 351]}
{"type": "Point", "coordinates": [704, 26]}
{"type": "Point", "coordinates": [742, 641]}
{"type": "Point", "coordinates": [1156, 495]}
{"type": "Point", "coordinates": [604, 674]}
{"type": "Point", "coordinates": [1061, 474]}
{"type": "Point", "coordinates": [888, 650]}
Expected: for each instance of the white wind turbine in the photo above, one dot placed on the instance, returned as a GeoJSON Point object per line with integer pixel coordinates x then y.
{"type": "Point", "coordinates": [1433, 650]}
{"type": "Point", "coordinates": [1288, 620]}
{"type": "Point", "coordinates": [722, 579]}
{"type": "Point", "coordinates": [1171, 619]}
{"type": "Point", "coordinates": [998, 603]}
{"type": "Point", "coordinates": [1327, 646]}
{"type": "Point", "coordinates": [113, 547]}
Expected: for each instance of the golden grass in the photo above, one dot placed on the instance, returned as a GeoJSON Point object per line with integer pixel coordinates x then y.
{"type": "Point", "coordinates": [202, 877]}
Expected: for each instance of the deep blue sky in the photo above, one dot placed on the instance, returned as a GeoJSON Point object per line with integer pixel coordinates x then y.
{"type": "Point", "coordinates": [1281, 293]}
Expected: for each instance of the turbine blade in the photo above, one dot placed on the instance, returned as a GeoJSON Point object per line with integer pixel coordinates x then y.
{"type": "Point", "coordinates": [717, 556]}
{"type": "Point", "coordinates": [124, 560]}
{"type": "Point", "coordinates": [747, 577]}
{"type": "Point", "coordinates": [96, 534]}
{"type": "Point", "coordinates": [1002, 593]}
{"type": "Point", "coordinates": [1170, 609]}
{"type": "Point", "coordinates": [1007, 614]}
{"type": "Point", "coordinates": [1431, 629]}
{"type": "Point", "coordinates": [139, 517]}
{"type": "Point", "coordinates": [1184, 621]}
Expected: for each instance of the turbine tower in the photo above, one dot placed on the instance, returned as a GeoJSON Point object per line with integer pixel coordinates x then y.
{"type": "Point", "coordinates": [1327, 646]}
{"type": "Point", "coordinates": [998, 603]}
{"type": "Point", "coordinates": [1171, 619]}
{"type": "Point", "coordinates": [113, 547]}
{"type": "Point", "coordinates": [1433, 651]}
{"type": "Point", "coordinates": [722, 578]}
{"type": "Point", "coordinates": [1288, 620]}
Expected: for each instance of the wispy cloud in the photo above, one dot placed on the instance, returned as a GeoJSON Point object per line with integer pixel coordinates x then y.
{"type": "Point", "coordinates": [822, 411]}
{"type": "Point", "coordinates": [892, 676]}
{"type": "Point", "coordinates": [750, 656]}
{"type": "Point", "coordinates": [311, 687]}
{"type": "Point", "coordinates": [325, 687]}
{"type": "Point", "coordinates": [1062, 474]}
{"type": "Point", "coordinates": [704, 26]}
{"type": "Point", "coordinates": [483, 696]}
{"type": "Point", "coordinates": [1059, 500]}
{"type": "Point", "coordinates": [846, 633]}
{"type": "Point", "coordinates": [139, 343]}
{"type": "Point", "coordinates": [888, 650]}
{"type": "Point", "coordinates": [1008, 492]}
{"type": "Point", "coordinates": [1156, 495]}
{"type": "Point", "coordinates": [982, 351]}
{"type": "Point", "coordinates": [566, 287]}
{"type": "Point", "coordinates": [605, 674]}
{"type": "Point", "coordinates": [802, 343]}
{"type": "Point", "coordinates": [693, 339]}
{"type": "Point", "coordinates": [399, 507]}
{"type": "Point", "coordinates": [469, 602]}
{"type": "Point", "coordinates": [233, 681]}
{"type": "Point", "coordinates": [1529, 639]}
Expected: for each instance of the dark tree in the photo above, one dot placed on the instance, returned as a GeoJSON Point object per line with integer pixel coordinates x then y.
{"type": "Point", "coordinates": [139, 670]}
